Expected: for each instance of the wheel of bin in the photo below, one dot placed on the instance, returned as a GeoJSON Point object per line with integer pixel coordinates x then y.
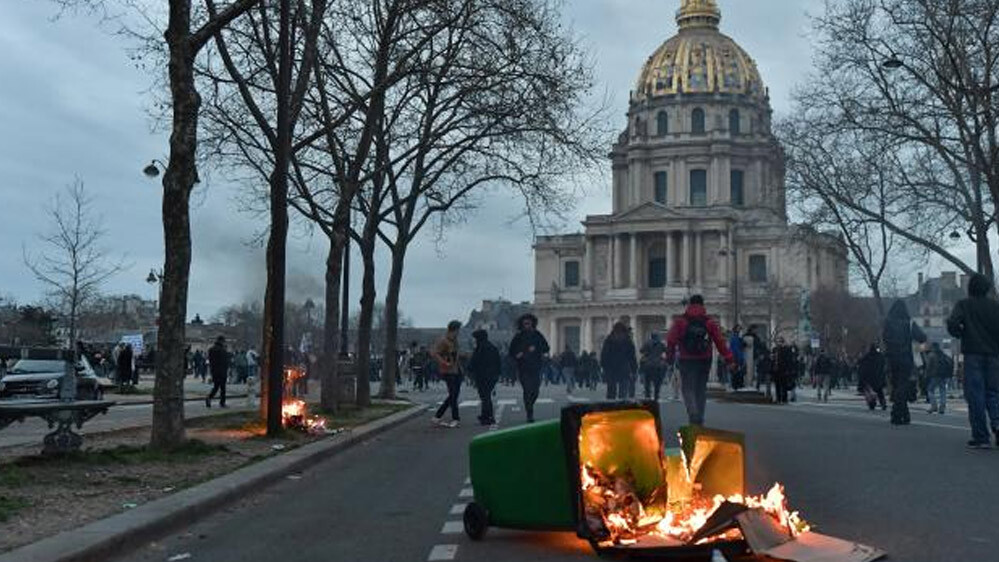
{"type": "Point", "coordinates": [476, 520]}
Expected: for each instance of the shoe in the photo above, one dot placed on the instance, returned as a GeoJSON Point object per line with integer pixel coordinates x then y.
{"type": "Point", "coordinates": [979, 445]}
{"type": "Point", "coordinates": [932, 410]}
{"type": "Point", "coordinates": [453, 424]}
{"type": "Point", "coordinates": [436, 422]}
{"type": "Point", "coordinates": [208, 403]}
{"type": "Point", "coordinates": [530, 420]}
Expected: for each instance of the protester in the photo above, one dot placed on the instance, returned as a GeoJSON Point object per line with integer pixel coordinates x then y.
{"type": "Point", "coordinates": [975, 320]}
{"type": "Point", "coordinates": [737, 346]}
{"type": "Point", "coordinates": [528, 348]}
{"type": "Point", "coordinates": [898, 334]}
{"type": "Point", "coordinates": [783, 369]}
{"type": "Point", "coordinates": [939, 370]}
{"type": "Point", "coordinates": [617, 358]}
{"type": "Point", "coordinates": [200, 365]}
{"type": "Point", "coordinates": [445, 355]}
{"type": "Point", "coordinates": [123, 365]}
{"type": "Point", "coordinates": [218, 363]}
{"type": "Point", "coordinates": [690, 338]}
{"type": "Point", "coordinates": [485, 368]}
{"type": "Point", "coordinates": [252, 363]}
{"type": "Point", "coordinates": [569, 363]}
{"type": "Point", "coordinates": [823, 369]}
{"type": "Point", "coordinates": [418, 367]}
{"type": "Point", "coordinates": [653, 366]}
{"type": "Point", "coordinates": [872, 377]}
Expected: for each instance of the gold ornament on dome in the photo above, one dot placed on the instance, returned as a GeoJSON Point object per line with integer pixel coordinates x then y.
{"type": "Point", "coordinates": [699, 59]}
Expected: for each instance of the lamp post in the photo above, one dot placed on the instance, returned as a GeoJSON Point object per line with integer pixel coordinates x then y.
{"type": "Point", "coordinates": [156, 278]}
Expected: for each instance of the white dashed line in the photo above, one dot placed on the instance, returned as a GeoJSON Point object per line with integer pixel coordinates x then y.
{"type": "Point", "coordinates": [546, 401]}
{"type": "Point", "coordinates": [458, 508]}
{"type": "Point", "coordinates": [507, 402]}
{"type": "Point", "coordinates": [469, 404]}
{"type": "Point", "coordinates": [466, 493]}
{"type": "Point", "coordinates": [443, 552]}
{"type": "Point", "coordinates": [468, 480]}
{"type": "Point", "coordinates": [453, 528]}
{"type": "Point", "coordinates": [578, 399]}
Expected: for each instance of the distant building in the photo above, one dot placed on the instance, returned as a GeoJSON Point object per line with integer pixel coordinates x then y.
{"type": "Point", "coordinates": [498, 317]}
{"type": "Point", "coordinates": [933, 301]}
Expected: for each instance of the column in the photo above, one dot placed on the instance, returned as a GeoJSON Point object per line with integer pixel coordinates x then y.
{"type": "Point", "coordinates": [587, 343]}
{"type": "Point", "coordinates": [699, 258]}
{"type": "Point", "coordinates": [670, 260]}
{"type": "Point", "coordinates": [685, 257]}
{"type": "Point", "coordinates": [633, 273]}
{"type": "Point", "coordinates": [588, 264]}
{"type": "Point", "coordinates": [553, 337]}
{"type": "Point", "coordinates": [618, 261]}
{"type": "Point", "coordinates": [723, 279]}
{"type": "Point", "coordinates": [612, 269]}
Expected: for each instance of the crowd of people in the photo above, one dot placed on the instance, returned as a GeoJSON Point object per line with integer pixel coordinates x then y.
{"type": "Point", "coordinates": [903, 367]}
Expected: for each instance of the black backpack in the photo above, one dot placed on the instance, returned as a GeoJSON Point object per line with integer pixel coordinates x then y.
{"type": "Point", "coordinates": [696, 340]}
{"type": "Point", "coordinates": [945, 369]}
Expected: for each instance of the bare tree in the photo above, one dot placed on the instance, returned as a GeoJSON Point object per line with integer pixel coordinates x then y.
{"type": "Point", "coordinates": [75, 264]}
{"type": "Point", "coordinates": [920, 75]}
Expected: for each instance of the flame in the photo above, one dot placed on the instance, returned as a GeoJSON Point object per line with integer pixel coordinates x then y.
{"type": "Point", "coordinates": [294, 412]}
{"type": "Point", "coordinates": [612, 503]}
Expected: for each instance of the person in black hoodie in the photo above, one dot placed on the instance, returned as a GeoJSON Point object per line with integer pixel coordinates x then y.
{"type": "Point", "coordinates": [528, 348]}
{"type": "Point", "coordinates": [898, 334]}
{"type": "Point", "coordinates": [617, 357]}
{"type": "Point", "coordinates": [218, 364]}
{"type": "Point", "coordinates": [485, 367]}
{"type": "Point", "coordinates": [871, 372]}
{"type": "Point", "coordinates": [976, 321]}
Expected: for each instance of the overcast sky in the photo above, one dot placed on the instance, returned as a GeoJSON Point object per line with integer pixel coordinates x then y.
{"type": "Point", "coordinates": [72, 104]}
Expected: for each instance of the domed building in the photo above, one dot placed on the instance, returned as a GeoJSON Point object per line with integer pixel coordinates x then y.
{"type": "Point", "coordinates": [698, 207]}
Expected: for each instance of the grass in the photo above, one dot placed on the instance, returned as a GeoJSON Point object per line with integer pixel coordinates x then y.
{"type": "Point", "coordinates": [13, 476]}
{"type": "Point", "coordinates": [190, 451]}
{"type": "Point", "coordinates": [131, 390]}
{"type": "Point", "coordinates": [10, 506]}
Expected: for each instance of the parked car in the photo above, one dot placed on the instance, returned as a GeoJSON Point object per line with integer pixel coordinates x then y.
{"type": "Point", "coordinates": [41, 379]}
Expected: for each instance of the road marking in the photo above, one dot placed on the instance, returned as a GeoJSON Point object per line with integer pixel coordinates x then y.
{"type": "Point", "coordinates": [458, 508]}
{"type": "Point", "coordinates": [453, 528]}
{"type": "Point", "coordinates": [578, 399]}
{"type": "Point", "coordinates": [468, 480]}
{"type": "Point", "coordinates": [466, 493]}
{"type": "Point", "coordinates": [803, 408]}
{"type": "Point", "coordinates": [470, 404]}
{"type": "Point", "coordinates": [515, 409]}
{"type": "Point", "coordinates": [507, 402]}
{"type": "Point", "coordinates": [545, 401]}
{"type": "Point", "coordinates": [443, 552]}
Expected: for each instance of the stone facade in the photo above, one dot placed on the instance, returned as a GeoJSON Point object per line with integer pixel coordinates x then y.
{"type": "Point", "coordinates": [698, 207]}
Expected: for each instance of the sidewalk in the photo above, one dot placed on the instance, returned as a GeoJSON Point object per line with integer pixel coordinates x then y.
{"type": "Point", "coordinates": [194, 389]}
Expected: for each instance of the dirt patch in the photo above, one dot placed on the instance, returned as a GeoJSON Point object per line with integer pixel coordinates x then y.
{"type": "Point", "coordinates": [42, 496]}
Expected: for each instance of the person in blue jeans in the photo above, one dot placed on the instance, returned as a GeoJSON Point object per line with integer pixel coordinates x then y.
{"type": "Point", "coordinates": [975, 320]}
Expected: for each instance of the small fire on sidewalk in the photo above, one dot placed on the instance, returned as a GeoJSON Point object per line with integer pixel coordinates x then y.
{"type": "Point", "coordinates": [294, 411]}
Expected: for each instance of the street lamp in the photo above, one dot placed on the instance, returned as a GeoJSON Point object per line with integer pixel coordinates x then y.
{"type": "Point", "coordinates": [152, 170]}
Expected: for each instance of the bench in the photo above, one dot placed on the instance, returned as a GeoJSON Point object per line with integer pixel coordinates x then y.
{"type": "Point", "coordinates": [59, 415]}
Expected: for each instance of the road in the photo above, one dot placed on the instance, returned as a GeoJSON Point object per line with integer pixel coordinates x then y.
{"type": "Point", "coordinates": [914, 491]}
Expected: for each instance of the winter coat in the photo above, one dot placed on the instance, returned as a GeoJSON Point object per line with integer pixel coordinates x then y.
{"type": "Point", "coordinates": [485, 364]}
{"type": "Point", "coordinates": [898, 334]}
{"type": "Point", "coordinates": [568, 360]}
{"type": "Point", "coordinates": [975, 320]}
{"type": "Point", "coordinates": [124, 364]}
{"type": "Point", "coordinates": [675, 338]}
{"type": "Point", "coordinates": [653, 355]}
{"type": "Point", "coordinates": [617, 357]}
{"type": "Point", "coordinates": [446, 355]}
{"type": "Point", "coordinates": [872, 370]}
{"type": "Point", "coordinates": [784, 364]}
{"type": "Point", "coordinates": [530, 361]}
{"type": "Point", "coordinates": [218, 362]}
{"type": "Point", "coordinates": [737, 347]}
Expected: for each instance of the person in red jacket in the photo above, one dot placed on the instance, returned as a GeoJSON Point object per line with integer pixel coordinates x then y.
{"type": "Point", "coordinates": [691, 337]}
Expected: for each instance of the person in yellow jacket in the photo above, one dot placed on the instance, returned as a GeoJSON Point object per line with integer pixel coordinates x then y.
{"type": "Point", "coordinates": [445, 353]}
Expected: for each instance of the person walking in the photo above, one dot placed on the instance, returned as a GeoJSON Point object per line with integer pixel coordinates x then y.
{"type": "Point", "coordinates": [445, 355]}
{"type": "Point", "coordinates": [617, 357]}
{"type": "Point", "coordinates": [784, 369]}
{"type": "Point", "coordinates": [872, 377]}
{"type": "Point", "coordinates": [690, 338]}
{"type": "Point", "coordinates": [898, 334]}
{"type": "Point", "coordinates": [653, 366]}
{"type": "Point", "coordinates": [218, 364]}
{"type": "Point", "coordinates": [200, 365]}
{"type": "Point", "coordinates": [528, 349]}
{"type": "Point", "coordinates": [569, 363]}
{"type": "Point", "coordinates": [822, 370]}
{"type": "Point", "coordinates": [123, 365]}
{"type": "Point", "coordinates": [939, 370]}
{"type": "Point", "coordinates": [738, 348]}
{"type": "Point", "coordinates": [485, 367]}
{"type": "Point", "coordinates": [975, 320]}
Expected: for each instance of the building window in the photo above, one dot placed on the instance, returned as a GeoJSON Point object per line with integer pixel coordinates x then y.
{"type": "Point", "coordinates": [698, 188]}
{"type": "Point", "coordinates": [661, 187]}
{"type": "Point", "coordinates": [697, 121]}
{"type": "Point", "coordinates": [662, 124]}
{"type": "Point", "coordinates": [572, 274]}
{"type": "Point", "coordinates": [572, 339]}
{"type": "Point", "coordinates": [758, 269]}
{"type": "Point", "coordinates": [734, 124]}
{"type": "Point", "coordinates": [657, 273]}
{"type": "Point", "coordinates": [738, 196]}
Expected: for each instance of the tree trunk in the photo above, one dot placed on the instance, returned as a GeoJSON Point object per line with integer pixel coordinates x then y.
{"type": "Point", "coordinates": [366, 319]}
{"type": "Point", "coordinates": [391, 323]}
{"type": "Point", "coordinates": [331, 326]}
{"type": "Point", "coordinates": [178, 181]}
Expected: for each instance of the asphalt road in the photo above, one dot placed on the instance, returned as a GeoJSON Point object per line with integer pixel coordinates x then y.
{"type": "Point", "coordinates": [913, 491]}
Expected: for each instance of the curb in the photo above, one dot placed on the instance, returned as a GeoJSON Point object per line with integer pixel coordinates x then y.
{"type": "Point", "coordinates": [123, 532]}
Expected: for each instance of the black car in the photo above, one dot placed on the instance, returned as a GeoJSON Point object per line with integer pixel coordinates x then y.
{"type": "Point", "coordinates": [41, 379]}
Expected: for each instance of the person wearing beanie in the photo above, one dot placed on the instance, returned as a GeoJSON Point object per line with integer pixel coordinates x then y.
{"type": "Point", "coordinates": [975, 320]}
{"type": "Point", "coordinates": [485, 366]}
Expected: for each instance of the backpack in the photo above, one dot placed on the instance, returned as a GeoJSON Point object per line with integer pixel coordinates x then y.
{"type": "Point", "coordinates": [945, 368]}
{"type": "Point", "coordinates": [696, 340]}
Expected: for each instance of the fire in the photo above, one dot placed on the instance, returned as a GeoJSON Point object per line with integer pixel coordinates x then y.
{"type": "Point", "coordinates": [294, 411]}
{"type": "Point", "coordinates": [612, 504]}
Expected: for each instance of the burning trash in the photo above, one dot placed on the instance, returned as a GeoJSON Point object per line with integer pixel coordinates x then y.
{"type": "Point", "coordinates": [294, 411]}
{"type": "Point", "coordinates": [602, 471]}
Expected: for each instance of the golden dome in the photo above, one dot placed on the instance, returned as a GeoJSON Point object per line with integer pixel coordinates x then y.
{"type": "Point", "coordinates": [699, 59]}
